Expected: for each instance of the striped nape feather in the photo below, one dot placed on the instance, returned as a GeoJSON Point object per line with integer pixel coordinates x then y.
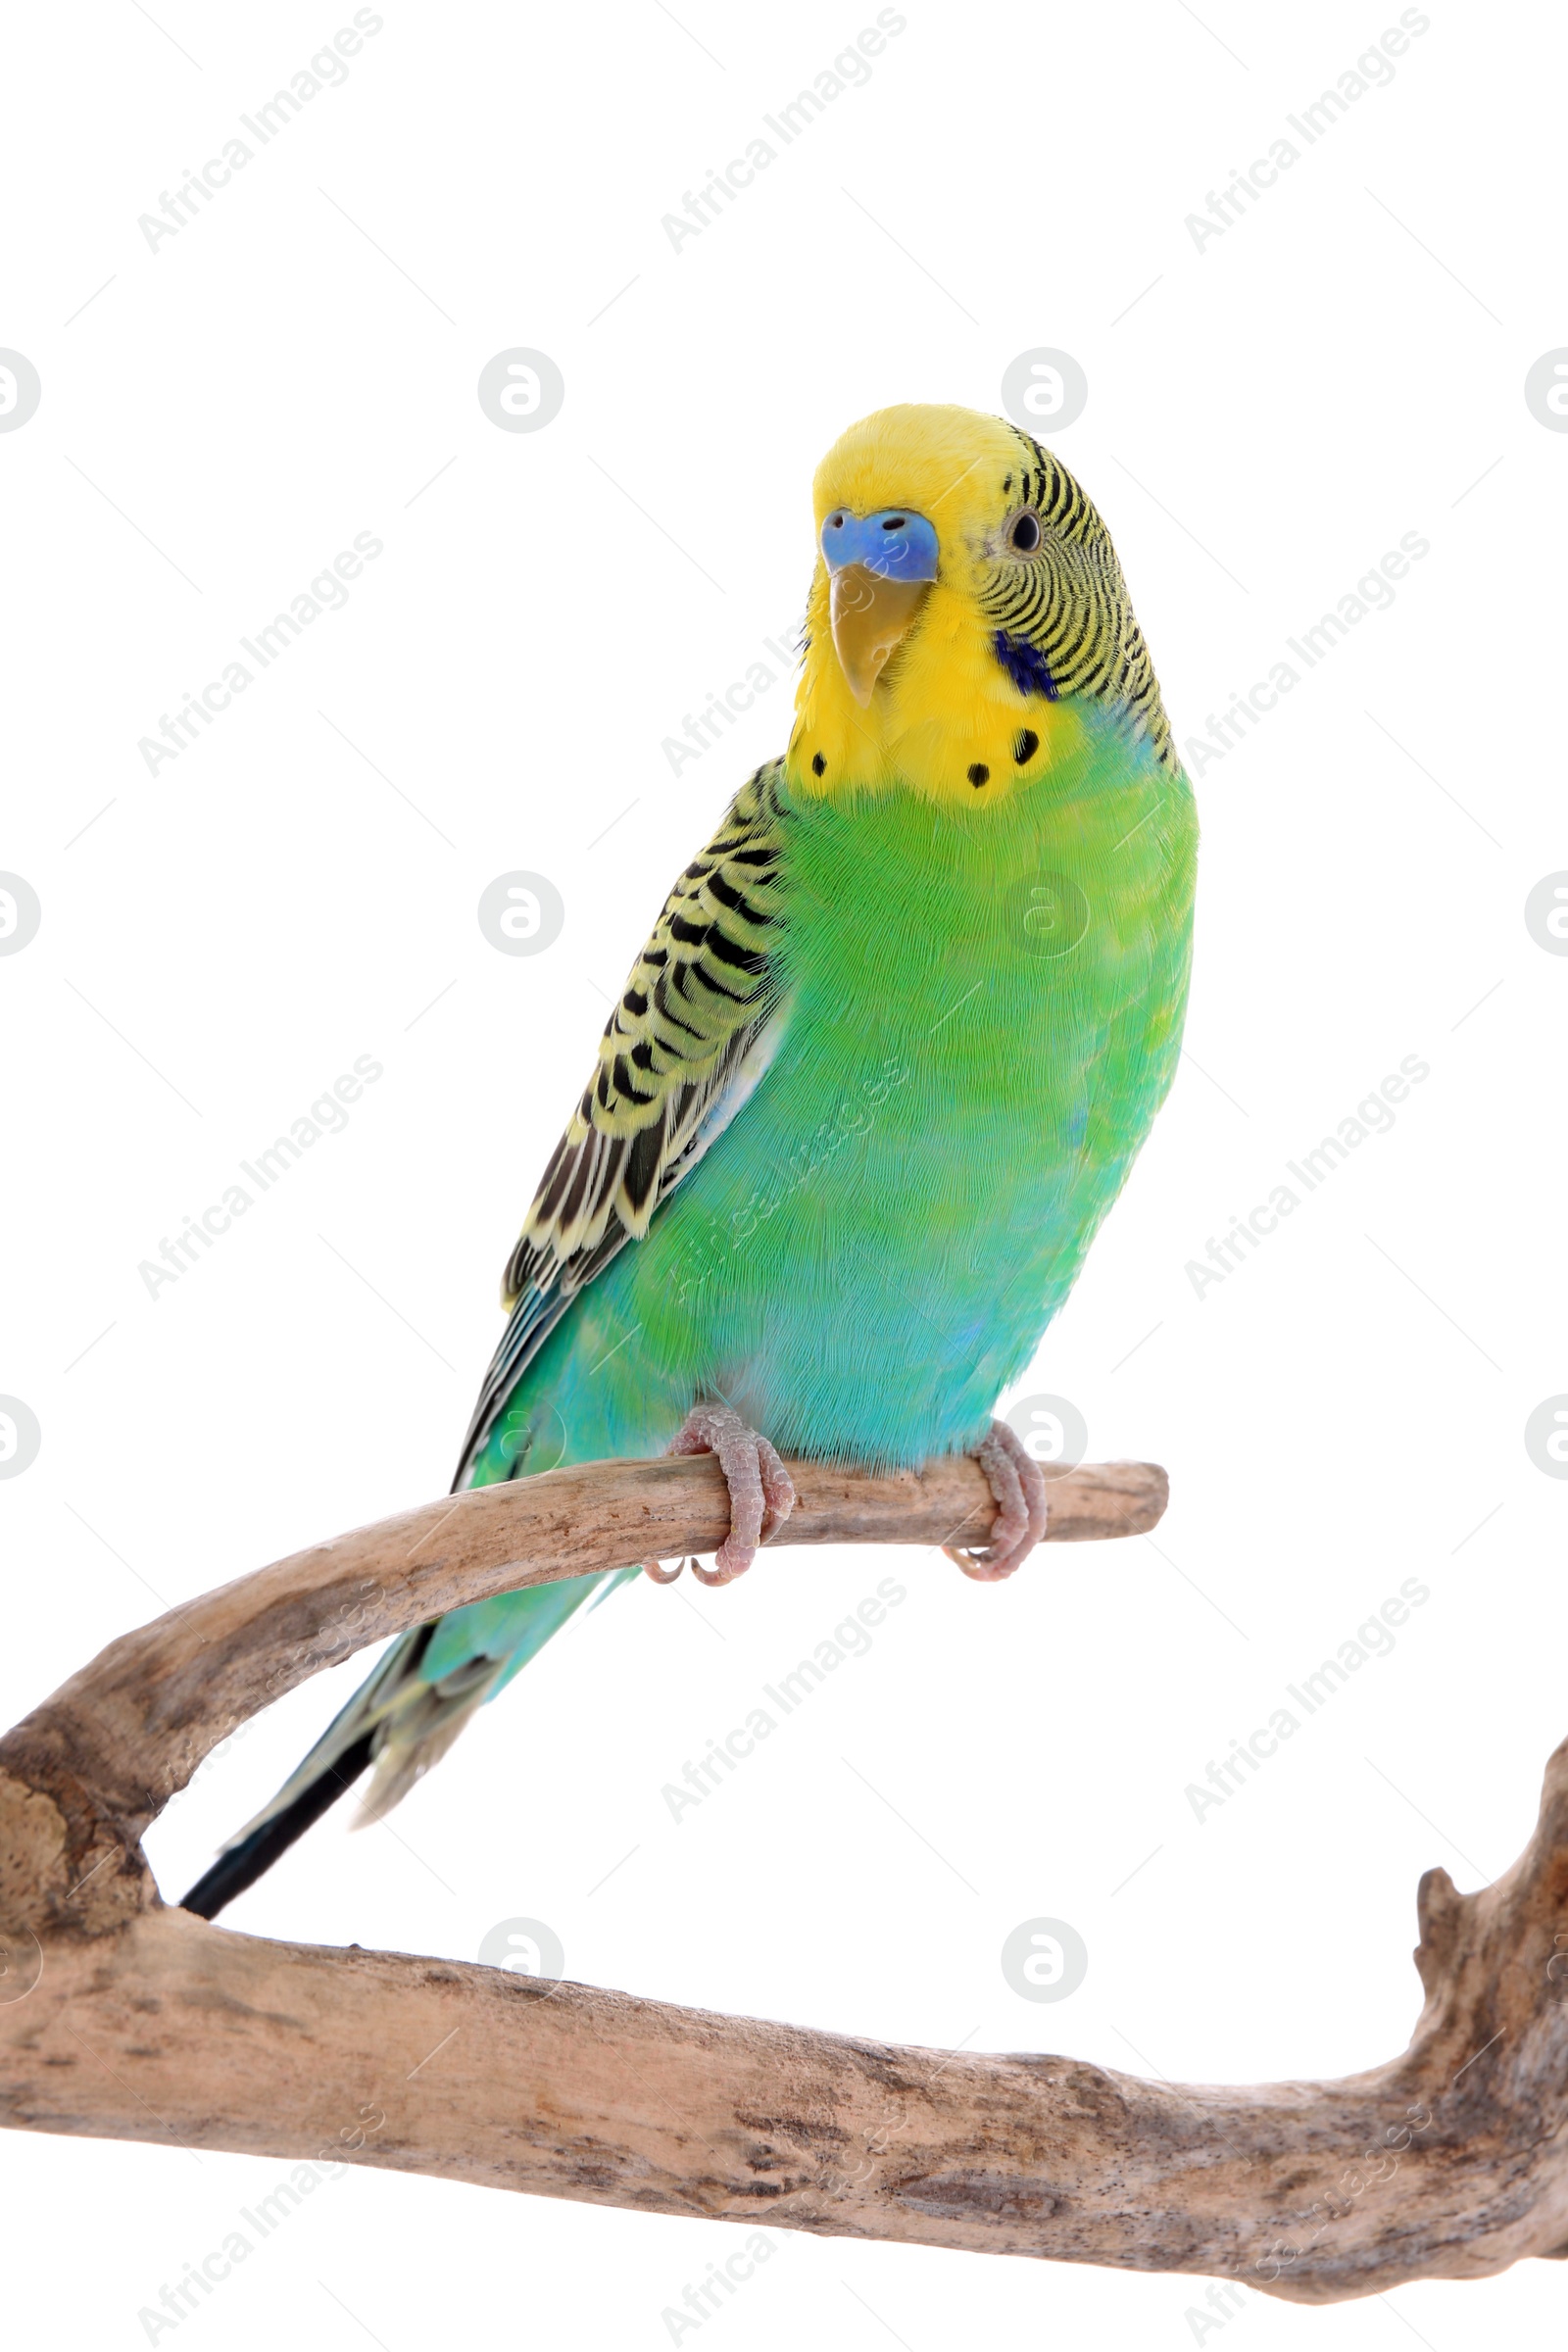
{"type": "Point", "coordinates": [1070, 601]}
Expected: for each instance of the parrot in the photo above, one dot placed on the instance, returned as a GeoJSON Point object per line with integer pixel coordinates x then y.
{"type": "Point", "coordinates": [882, 1067]}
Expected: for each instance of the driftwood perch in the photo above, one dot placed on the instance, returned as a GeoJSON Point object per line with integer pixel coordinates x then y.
{"type": "Point", "coordinates": [123, 2019]}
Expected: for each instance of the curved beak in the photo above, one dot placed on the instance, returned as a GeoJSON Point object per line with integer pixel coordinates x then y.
{"type": "Point", "coordinates": [872, 617]}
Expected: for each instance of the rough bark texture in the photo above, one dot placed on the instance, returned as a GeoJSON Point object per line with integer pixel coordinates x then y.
{"type": "Point", "coordinates": [122, 2018]}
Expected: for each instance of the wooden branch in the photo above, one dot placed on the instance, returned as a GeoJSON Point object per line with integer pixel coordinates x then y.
{"type": "Point", "coordinates": [122, 2018]}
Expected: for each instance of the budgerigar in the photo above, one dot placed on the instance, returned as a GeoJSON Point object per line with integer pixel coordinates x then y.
{"type": "Point", "coordinates": [874, 1082]}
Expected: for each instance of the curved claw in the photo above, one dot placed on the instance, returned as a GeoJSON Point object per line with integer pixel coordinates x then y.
{"type": "Point", "coordinates": [661, 1575]}
{"type": "Point", "coordinates": [1019, 1486]}
{"type": "Point", "coordinates": [762, 1493]}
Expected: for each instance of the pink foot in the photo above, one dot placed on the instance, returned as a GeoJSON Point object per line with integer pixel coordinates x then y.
{"type": "Point", "coordinates": [761, 1495]}
{"type": "Point", "coordinates": [1018, 1484]}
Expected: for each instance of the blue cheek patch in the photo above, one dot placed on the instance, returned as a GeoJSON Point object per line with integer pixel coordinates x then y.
{"type": "Point", "coordinates": [895, 543]}
{"type": "Point", "coordinates": [1025, 665]}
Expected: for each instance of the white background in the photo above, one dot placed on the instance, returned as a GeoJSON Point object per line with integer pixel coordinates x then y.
{"type": "Point", "coordinates": [298, 364]}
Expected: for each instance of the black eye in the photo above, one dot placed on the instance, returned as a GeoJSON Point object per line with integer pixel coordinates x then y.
{"type": "Point", "coordinates": [1024, 536]}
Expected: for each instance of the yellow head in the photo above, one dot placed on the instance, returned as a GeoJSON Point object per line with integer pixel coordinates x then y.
{"type": "Point", "coordinates": [967, 608]}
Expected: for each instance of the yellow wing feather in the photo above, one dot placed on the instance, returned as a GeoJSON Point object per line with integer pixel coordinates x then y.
{"type": "Point", "coordinates": [691, 1009]}
{"type": "Point", "coordinates": [695, 1025]}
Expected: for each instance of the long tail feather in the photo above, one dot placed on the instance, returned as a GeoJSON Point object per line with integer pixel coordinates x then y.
{"type": "Point", "coordinates": [241, 1864]}
{"type": "Point", "coordinates": [396, 1721]}
{"type": "Point", "coordinates": [401, 1721]}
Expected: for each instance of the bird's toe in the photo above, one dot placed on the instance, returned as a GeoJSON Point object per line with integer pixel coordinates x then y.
{"type": "Point", "coordinates": [1019, 1486]}
{"type": "Point", "coordinates": [761, 1492]}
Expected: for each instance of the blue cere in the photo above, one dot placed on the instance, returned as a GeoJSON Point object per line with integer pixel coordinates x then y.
{"type": "Point", "coordinates": [895, 543]}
